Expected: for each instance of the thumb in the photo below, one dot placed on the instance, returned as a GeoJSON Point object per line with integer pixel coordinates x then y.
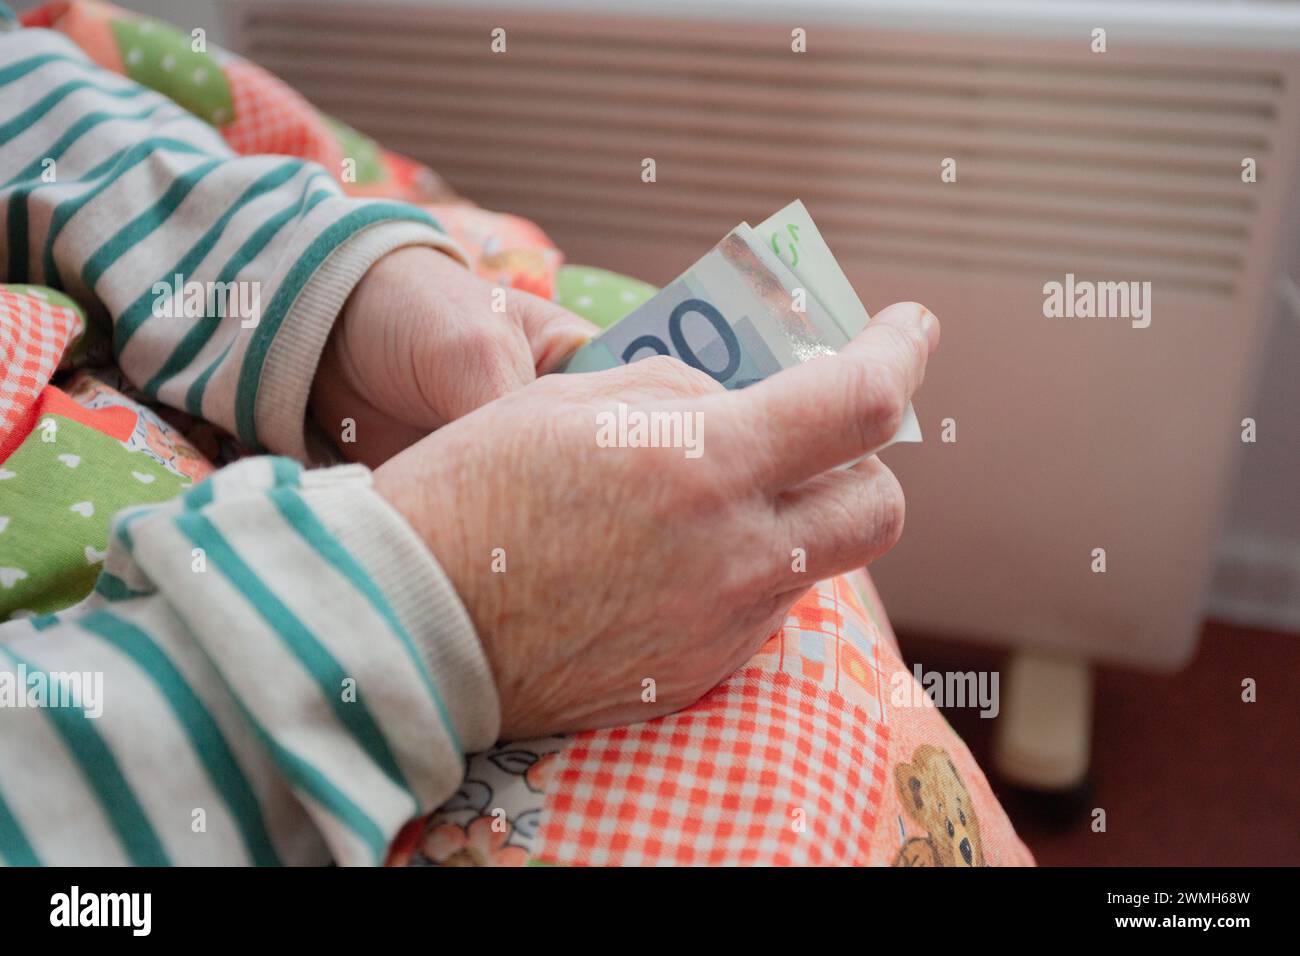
{"type": "Point", "coordinates": [553, 332]}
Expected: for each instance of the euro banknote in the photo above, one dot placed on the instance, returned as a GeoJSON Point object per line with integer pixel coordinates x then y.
{"type": "Point", "coordinates": [761, 300]}
{"type": "Point", "coordinates": [795, 238]}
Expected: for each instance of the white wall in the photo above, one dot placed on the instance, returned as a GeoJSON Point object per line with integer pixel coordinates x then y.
{"type": "Point", "coordinates": [1258, 579]}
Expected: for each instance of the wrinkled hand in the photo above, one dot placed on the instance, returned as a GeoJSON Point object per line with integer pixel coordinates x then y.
{"type": "Point", "coordinates": [418, 345]}
{"type": "Point", "coordinates": [623, 564]}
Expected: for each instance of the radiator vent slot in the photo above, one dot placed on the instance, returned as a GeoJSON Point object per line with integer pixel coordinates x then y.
{"type": "Point", "coordinates": [1125, 168]}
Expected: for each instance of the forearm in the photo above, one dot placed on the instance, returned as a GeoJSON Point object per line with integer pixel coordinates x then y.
{"type": "Point", "coordinates": [287, 677]}
{"type": "Point", "coordinates": [121, 198]}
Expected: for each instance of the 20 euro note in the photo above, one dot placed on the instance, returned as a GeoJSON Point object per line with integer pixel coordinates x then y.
{"type": "Point", "coordinates": [796, 240]}
{"type": "Point", "coordinates": [754, 304]}
{"type": "Point", "coordinates": [737, 315]}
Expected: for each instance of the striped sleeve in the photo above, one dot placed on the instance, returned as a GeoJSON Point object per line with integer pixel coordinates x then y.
{"type": "Point", "coordinates": [278, 673]}
{"type": "Point", "coordinates": [221, 274]}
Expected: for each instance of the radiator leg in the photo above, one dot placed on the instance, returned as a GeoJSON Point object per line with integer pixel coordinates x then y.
{"type": "Point", "coordinates": [1044, 733]}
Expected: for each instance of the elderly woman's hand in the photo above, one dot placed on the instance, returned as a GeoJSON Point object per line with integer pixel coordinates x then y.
{"type": "Point", "coordinates": [421, 342]}
{"type": "Point", "coordinates": [589, 570]}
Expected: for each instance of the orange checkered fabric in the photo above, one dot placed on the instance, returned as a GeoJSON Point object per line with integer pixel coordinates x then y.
{"type": "Point", "coordinates": [766, 769]}
{"type": "Point", "coordinates": [34, 334]}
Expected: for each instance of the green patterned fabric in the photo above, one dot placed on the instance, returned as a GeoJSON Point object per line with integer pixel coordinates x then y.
{"type": "Point", "coordinates": [159, 56]}
{"type": "Point", "coordinates": [62, 486]}
{"type": "Point", "coordinates": [598, 295]}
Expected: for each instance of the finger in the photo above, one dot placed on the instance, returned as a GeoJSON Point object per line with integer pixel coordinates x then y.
{"type": "Point", "coordinates": [553, 332]}
{"type": "Point", "coordinates": [841, 520]}
{"type": "Point", "coordinates": [463, 372]}
{"type": "Point", "coordinates": [655, 378]}
{"type": "Point", "coordinates": [811, 417]}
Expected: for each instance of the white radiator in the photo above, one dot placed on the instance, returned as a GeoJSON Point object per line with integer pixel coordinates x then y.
{"type": "Point", "coordinates": [1124, 165]}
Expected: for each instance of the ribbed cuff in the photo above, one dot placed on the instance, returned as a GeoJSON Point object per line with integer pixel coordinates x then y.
{"type": "Point", "coordinates": [418, 591]}
{"type": "Point", "coordinates": [281, 410]}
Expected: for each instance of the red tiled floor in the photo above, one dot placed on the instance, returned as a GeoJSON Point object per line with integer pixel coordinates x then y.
{"type": "Point", "coordinates": [1188, 774]}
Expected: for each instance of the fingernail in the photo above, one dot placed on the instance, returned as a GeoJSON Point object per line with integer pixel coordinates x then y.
{"type": "Point", "coordinates": [930, 328]}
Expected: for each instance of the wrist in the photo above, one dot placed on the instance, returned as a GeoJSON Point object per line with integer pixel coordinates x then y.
{"type": "Point", "coordinates": [282, 404]}
{"type": "Point", "coordinates": [367, 396]}
{"type": "Point", "coordinates": [328, 401]}
{"type": "Point", "coordinates": [416, 486]}
{"type": "Point", "coordinates": [384, 536]}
